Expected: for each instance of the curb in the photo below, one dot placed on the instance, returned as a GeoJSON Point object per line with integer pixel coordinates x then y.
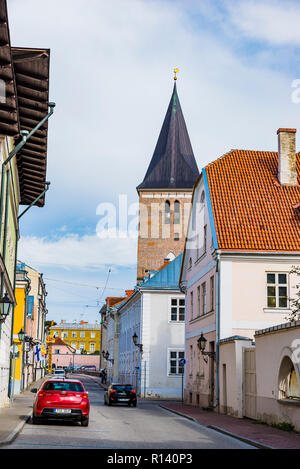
{"type": "Point", "coordinates": [221, 430]}
{"type": "Point", "coordinates": [13, 435]}
{"type": "Point", "coordinates": [239, 437]}
{"type": "Point", "coordinates": [179, 413]}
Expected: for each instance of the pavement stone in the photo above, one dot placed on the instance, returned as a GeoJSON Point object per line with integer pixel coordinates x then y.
{"type": "Point", "coordinates": [13, 418]}
{"type": "Point", "coordinates": [258, 434]}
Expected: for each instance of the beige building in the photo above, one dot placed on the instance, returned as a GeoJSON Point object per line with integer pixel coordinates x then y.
{"type": "Point", "coordinates": [261, 380]}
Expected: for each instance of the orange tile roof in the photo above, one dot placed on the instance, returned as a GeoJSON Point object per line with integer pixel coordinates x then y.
{"type": "Point", "coordinates": [252, 211]}
{"type": "Point", "coordinates": [113, 300]}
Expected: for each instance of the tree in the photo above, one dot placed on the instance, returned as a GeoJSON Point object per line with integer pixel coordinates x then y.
{"type": "Point", "coordinates": [295, 302]}
{"type": "Point", "coordinates": [50, 323]}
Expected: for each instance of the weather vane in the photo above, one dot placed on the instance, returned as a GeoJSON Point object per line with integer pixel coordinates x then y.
{"type": "Point", "coordinates": [176, 70]}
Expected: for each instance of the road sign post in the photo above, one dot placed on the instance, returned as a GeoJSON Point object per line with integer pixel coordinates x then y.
{"type": "Point", "coordinates": [182, 363]}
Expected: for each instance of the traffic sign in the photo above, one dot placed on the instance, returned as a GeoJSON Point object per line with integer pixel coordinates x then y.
{"type": "Point", "coordinates": [182, 361]}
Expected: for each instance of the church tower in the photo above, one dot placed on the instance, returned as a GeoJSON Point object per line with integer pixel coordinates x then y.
{"type": "Point", "coordinates": [166, 192]}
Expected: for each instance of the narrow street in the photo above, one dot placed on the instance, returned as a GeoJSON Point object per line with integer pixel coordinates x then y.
{"type": "Point", "coordinates": [144, 427]}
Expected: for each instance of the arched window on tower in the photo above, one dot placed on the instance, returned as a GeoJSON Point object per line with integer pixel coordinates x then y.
{"type": "Point", "coordinates": [167, 212]}
{"type": "Point", "coordinates": [176, 212]}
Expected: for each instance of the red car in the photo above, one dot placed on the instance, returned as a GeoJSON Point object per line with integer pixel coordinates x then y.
{"type": "Point", "coordinates": [61, 399]}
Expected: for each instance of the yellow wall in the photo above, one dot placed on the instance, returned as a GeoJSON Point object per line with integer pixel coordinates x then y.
{"type": "Point", "coordinates": [19, 324]}
{"type": "Point", "coordinates": [86, 340]}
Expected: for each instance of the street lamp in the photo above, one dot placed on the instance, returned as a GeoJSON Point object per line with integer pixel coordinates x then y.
{"type": "Point", "coordinates": [106, 356]}
{"type": "Point", "coordinates": [21, 335]}
{"type": "Point", "coordinates": [5, 305]}
{"type": "Point", "coordinates": [201, 342]}
{"type": "Point", "coordinates": [135, 341]}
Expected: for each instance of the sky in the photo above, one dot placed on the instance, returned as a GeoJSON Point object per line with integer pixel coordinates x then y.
{"type": "Point", "coordinates": [111, 76]}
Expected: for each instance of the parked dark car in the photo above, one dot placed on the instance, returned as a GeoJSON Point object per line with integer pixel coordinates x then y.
{"type": "Point", "coordinates": [120, 394]}
{"type": "Point", "coordinates": [61, 399]}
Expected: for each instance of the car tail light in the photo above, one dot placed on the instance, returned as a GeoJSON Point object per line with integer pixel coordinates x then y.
{"type": "Point", "coordinates": [41, 394]}
{"type": "Point", "coordinates": [85, 396]}
{"type": "Point", "coordinates": [113, 390]}
{"type": "Point", "coordinates": [133, 391]}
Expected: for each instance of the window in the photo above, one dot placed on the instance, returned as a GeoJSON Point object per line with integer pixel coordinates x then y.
{"type": "Point", "coordinates": [202, 198]}
{"type": "Point", "coordinates": [57, 351]}
{"type": "Point", "coordinates": [74, 335]}
{"type": "Point", "coordinates": [174, 357]}
{"type": "Point", "coordinates": [191, 360]}
{"type": "Point", "coordinates": [204, 239]}
{"type": "Point", "coordinates": [198, 301]}
{"type": "Point", "coordinates": [62, 386]}
{"type": "Point", "coordinates": [177, 309]}
{"type": "Point", "coordinates": [176, 212]}
{"type": "Point", "coordinates": [167, 212]}
{"type": "Point", "coordinates": [81, 346]}
{"type": "Point", "coordinates": [288, 387]}
{"type": "Point", "coordinates": [73, 345]}
{"type": "Point", "coordinates": [190, 263]}
{"type": "Point", "coordinates": [92, 348]}
{"type": "Point", "coordinates": [203, 299]}
{"type": "Point", "coordinates": [277, 286]}
{"type": "Point", "coordinates": [65, 335]}
{"type": "Point", "coordinates": [93, 335]}
{"type": "Point", "coordinates": [176, 236]}
{"type": "Point", "coordinates": [82, 335]}
{"type": "Point", "coordinates": [212, 293]}
{"type": "Point", "coordinates": [192, 304]}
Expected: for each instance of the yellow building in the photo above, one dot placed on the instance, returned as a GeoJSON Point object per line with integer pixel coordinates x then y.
{"type": "Point", "coordinates": [81, 336]}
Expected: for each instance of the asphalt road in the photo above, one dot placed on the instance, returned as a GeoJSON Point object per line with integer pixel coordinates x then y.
{"type": "Point", "coordinates": [147, 426]}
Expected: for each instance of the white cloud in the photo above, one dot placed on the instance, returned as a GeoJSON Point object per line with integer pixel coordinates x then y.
{"type": "Point", "coordinates": [271, 21]}
{"type": "Point", "coordinates": [72, 251]}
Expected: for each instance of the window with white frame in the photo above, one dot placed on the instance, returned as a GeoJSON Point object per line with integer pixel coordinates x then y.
{"type": "Point", "coordinates": [65, 335]}
{"type": "Point", "coordinates": [74, 334]}
{"type": "Point", "coordinates": [177, 309]}
{"type": "Point", "coordinates": [82, 335]}
{"type": "Point", "coordinates": [93, 335]}
{"type": "Point", "coordinates": [277, 290]}
{"type": "Point", "coordinates": [73, 345]}
{"type": "Point", "coordinates": [174, 357]}
{"type": "Point", "coordinates": [92, 348]}
{"type": "Point", "coordinates": [81, 346]}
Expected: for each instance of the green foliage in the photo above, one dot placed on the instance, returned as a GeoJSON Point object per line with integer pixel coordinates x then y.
{"type": "Point", "coordinates": [295, 302]}
{"type": "Point", "coordinates": [285, 426]}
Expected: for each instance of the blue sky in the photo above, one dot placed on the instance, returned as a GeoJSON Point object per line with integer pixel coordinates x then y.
{"type": "Point", "coordinates": [111, 78]}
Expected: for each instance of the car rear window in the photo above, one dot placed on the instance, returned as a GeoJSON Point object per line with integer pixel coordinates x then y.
{"type": "Point", "coordinates": [122, 387]}
{"type": "Point", "coordinates": [62, 386]}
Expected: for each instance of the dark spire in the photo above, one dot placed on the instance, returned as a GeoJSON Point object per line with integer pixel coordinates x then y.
{"type": "Point", "coordinates": [173, 164]}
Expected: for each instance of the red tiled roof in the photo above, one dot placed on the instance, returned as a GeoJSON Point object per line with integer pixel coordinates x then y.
{"type": "Point", "coordinates": [252, 211]}
{"type": "Point", "coordinates": [112, 300]}
{"type": "Point", "coordinates": [59, 341]}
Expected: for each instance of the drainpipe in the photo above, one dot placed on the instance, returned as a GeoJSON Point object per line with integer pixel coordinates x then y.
{"type": "Point", "coordinates": [218, 266]}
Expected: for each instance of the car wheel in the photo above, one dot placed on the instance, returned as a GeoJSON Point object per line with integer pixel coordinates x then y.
{"type": "Point", "coordinates": [85, 422]}
{"type": "Point", "coordinates": [35, 420]}
{"type": "Point", "coordinates": [129, 404]}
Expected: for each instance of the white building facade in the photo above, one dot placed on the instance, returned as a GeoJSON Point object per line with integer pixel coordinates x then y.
{"type": "Point", "coordinates": [156, 314]}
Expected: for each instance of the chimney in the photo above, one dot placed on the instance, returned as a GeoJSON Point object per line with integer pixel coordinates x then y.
{"type": "Point", "coordinates": [287, 173]}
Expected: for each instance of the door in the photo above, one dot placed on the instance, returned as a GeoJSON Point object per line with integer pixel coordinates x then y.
{"type": "Point", "coordinates": [249, 383]}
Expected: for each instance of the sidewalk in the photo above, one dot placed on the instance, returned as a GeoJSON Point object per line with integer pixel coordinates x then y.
{"type": "Point", "coordinates": [13, 419]}
{"type": "Point", "coordinates": [260, 435]}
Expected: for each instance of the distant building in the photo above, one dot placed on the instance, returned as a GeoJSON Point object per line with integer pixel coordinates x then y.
{"type": "Point", "coordinates": [82, 336]}
{"type": "Point", "coordinates": [155, 313]}
{"type": "Point", "coordinates": [29, 315]}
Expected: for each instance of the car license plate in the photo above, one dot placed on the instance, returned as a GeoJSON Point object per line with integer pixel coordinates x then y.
{"type": "Point", "coordinates": [121, 399]}
{"type": "Point", "coordinates": [62, 411]}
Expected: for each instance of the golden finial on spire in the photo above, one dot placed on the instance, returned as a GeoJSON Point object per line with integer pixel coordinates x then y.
{"type": "Point", "coordinates": [176, 70]}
